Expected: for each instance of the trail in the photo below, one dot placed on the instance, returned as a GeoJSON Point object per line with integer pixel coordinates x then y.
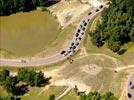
{"type": "Point", "coordinates": [124, 67]}
{"type": "Point", "coordinates": [64, 93]}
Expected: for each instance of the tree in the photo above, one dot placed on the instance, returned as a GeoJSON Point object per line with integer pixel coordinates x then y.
{"type": "Point", "coordinates": [26, 76]}
{"type": "Point", "coordinates": [31, 77]}
{"type": "Point", "coordinates": [109, 96]}
{"type": "Point", "coordinates": [3, 74]}
{"type": "Point", "coordinates": [52, 97]}
{"type": "Point", "coordinates": [94, 96]}
{"type": "Point", "coordinates": [76, 89]}
{"type": "Point", "coordinates": [97, 96]}
{"type": "Point", "coordinates": [116, 27]}
{"type": "Point", "coordinates": [39, 79]}
{"type": "Point", "coordinates": [9, 85]}
{"type": "Point", "coordinates": [113, 45]}
{"type": "Point", "coordinates": [8, 7]}
{"type": "Point", "coordinates": [132, 33]}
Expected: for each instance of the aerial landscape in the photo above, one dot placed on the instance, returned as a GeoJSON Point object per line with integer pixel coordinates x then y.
{"type": "Point", "coordinates": [66, 49]}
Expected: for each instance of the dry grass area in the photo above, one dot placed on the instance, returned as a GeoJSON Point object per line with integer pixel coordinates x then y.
{"type": "Point", "coordinates": [38, 34]}
{"type": "Point", "coordinates": [62, 41]}
{"type": "Point", "coordinates": [25, 34]}
{"type": "Point", "coordinates": [99, 75]}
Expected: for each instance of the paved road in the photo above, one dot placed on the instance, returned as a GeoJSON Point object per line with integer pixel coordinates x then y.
{"type": "Point", "coordinates": [130, 88]}
{"type": "Point", "coordinates": [24, 62]}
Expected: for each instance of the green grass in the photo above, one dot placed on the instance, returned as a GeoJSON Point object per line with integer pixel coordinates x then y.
{"type": "Point", "coordinates": [71, 96]}
{"type": "Point", "coordinates": [3, 92]}
{"type": "Point", "coordinates": [34, 93]}
{"type": "Point", "coordinates": [26, 34]}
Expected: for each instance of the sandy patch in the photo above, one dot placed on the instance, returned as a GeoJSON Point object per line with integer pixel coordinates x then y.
{"type": "Point", "coordinates": [91, 69]}
{"type": "Point", "coordinates": [72, 83]}
{"type": "Point", "coordinates": [81, 86]}
{"type": "Point", "coordinates": [68, 11]}
{"type": "Point", "coordinates": [55, 73]}
{"type": "Point", "coordinates": [83, 52]}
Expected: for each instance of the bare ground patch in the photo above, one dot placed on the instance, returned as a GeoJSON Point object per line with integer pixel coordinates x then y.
{"type": "Point", "coordinates": [91, 69]}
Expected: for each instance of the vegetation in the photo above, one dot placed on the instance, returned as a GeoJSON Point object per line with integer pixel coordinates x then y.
{"type": "Point", "coordinates": [29, 77]}
{"type": "Point", "coordinates": [117, 27]}
{"type": "Point", "coordinates": [8, 7]}
{"type": "Point", "coordinates": [36, 93]}
{"type": "Point", "coordinates": [97, 96]}
{"type": "Point", "coordinates": [52, 97]}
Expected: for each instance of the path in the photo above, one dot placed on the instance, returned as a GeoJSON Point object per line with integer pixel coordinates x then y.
{"type": "Point", "coordinates": [64, 93]}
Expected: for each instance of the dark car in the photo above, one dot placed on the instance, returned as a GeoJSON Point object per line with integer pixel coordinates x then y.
{"type": "Point", "coordinates": [79, 38]}
{"type": "Point", "coordinates": [132, 87]}
{"type": "Point", "coordinates": [77, 34]}
{"type": "Point", "coordinates": [72, 43]}
{"type": "Point", "coordinates": [82, 33]}
{"type": "Point", "coordinates": [74, 47]}
{"type": "Point", "coordinates": [80, 26]}
{"type": "Point", "coordinates": [101, 6]}
{"type": "Point", "coordinates": [62, 52]}
{"type": "Point", "coordinates": [74, 51]}
{"type": "Point", "coordinates": [69, 51]}
{"type": "Point", "coordinates": [77, 43]}
{"type": "Point", "coordinates": [83, 21]}
{"type": "Point", "coordinates": [84, 29]}
{"type": "Point", "coordinates": [85, 24]}
{"type": "Point", "coordinates": [89, 13]}
{"type": "Point", "coordinates": [97, 10]}
{"type": "Point", "coordinates": [78, 30]}
{"type": "Point", "coordinates": [23, 61]}
{"type": "Point", "coordinates": [70, 47]}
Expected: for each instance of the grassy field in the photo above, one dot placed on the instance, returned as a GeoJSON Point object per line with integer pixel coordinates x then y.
{"type": "Point", "coordinates": [35, 93]}
{"type": "Point", "coordinates": [25, 34]}
{"type": "Point", "coordinates": [71, 96]}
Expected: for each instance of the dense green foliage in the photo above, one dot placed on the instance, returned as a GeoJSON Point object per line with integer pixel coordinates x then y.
{"type": "Point", "coordinates": [9, 82]}
{"type": "Point", "coordinates": [8, 7]}
{"type": "Point", "coordinates": [97, 96]}
{"type": "Point", "coordinates": [94, 95]}
{"type": "Point", "coordinates": [27, 77]}
{"type": "Point", "coordinates": [31, 77]}
{"type": "Point", "coordinates": [117, 26]}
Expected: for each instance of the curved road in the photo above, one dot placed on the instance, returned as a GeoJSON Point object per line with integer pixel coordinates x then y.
{"type": "Point", "coordinates": [20, 62]}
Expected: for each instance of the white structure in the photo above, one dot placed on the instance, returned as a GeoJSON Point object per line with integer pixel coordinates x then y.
{"type": "Point", "coordinates": [94, 3]}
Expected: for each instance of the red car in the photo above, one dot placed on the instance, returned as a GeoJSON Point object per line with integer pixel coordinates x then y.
{"type": "Point", "coordinates": [89, 13]}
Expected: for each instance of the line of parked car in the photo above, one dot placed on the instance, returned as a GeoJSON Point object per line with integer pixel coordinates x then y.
{"type": "Point", "coordinates": [79, 34]}
{"type": "Point", "coordinates": [131, 89]}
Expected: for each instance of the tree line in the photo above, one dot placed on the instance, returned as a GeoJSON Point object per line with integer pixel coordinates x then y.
{"type": "Point", "coordinates": [8, 7]}
{"type": "Point", "coordinates": [116, 27]}
{"type": "Point", "coordinates": [18, 85]}
{"type": "Point", "coordinates": [94, 95]}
